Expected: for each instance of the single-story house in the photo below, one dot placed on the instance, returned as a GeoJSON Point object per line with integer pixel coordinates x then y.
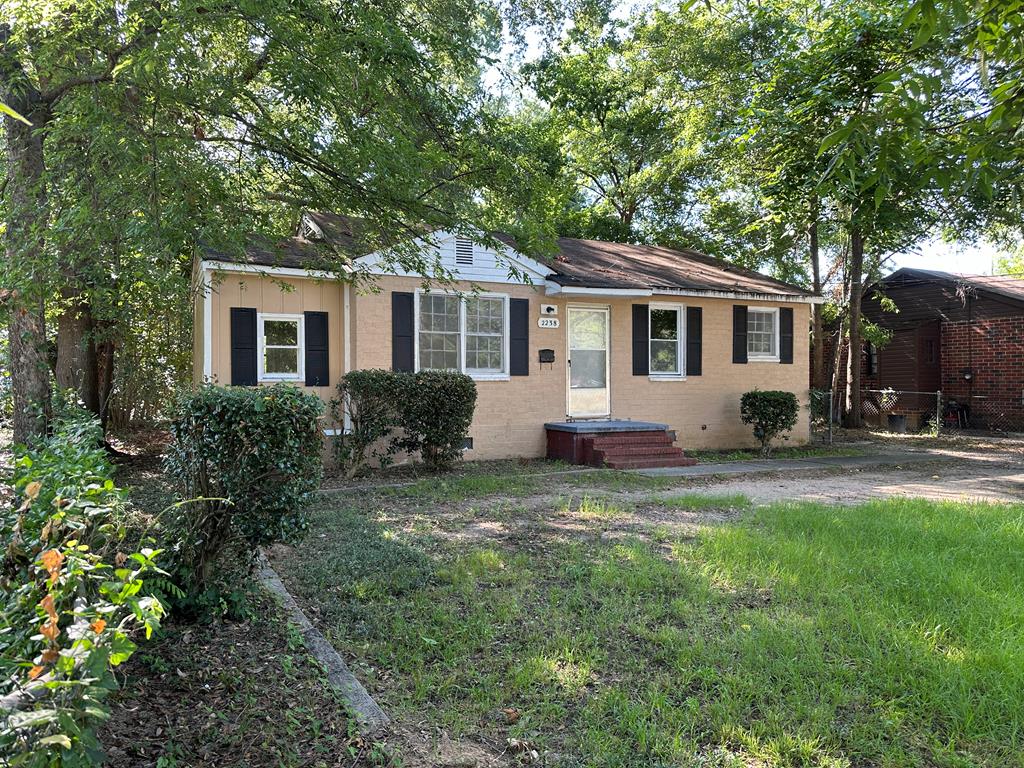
{"type": "Point", "coordinates": [603, 338]}
{"type": "Point", "coordinates": [962, 335]}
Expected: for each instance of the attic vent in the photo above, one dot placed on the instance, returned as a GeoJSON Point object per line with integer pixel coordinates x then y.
{"type": "Point", "coordinates": [463, 252]}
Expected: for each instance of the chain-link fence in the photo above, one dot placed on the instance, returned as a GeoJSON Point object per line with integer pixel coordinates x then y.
{"type": "Point", "coordinates": [900, 410]}
{"type": "Point", "coordinates": [905, 411]}
{"type": "Point", "coordinates": [822, 415]}
{"type": "Point", "coordinates": [983, 413]}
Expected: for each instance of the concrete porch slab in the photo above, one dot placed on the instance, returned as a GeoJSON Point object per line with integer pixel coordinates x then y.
{"type": "Point", "coordinates": [611, 425]}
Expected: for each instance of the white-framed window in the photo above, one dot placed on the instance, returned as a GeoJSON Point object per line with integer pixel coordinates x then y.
{"type": "Point", "coordinates": [463, 333]}
{"type": "Point", "coordinates": [763, 334]}
{"type": "Point", "coordinates": [281, 344]}
{"type": "Point", "coordinates": [439, 334]}
{"type": "Point", "coordinates": [667, 331]}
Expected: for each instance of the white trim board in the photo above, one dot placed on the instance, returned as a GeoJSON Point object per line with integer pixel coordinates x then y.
{"type": "Point", "coordinates": [207, 284]}
{"type": "Point", "coordinates": [259, 269]}
{"type": "Point", "coordinates": [552, 288]}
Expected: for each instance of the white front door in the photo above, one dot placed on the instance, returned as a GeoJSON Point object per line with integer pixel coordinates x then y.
{"type": "Point", "coordinates": [588, 362]}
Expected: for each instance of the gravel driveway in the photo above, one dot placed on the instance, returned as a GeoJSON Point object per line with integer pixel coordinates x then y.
{"type": "Point", "coordinates": [975, 471]}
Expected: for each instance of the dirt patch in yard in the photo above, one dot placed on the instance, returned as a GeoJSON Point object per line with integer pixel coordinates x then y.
{"type": "Point", "coordinates": [958, 478]}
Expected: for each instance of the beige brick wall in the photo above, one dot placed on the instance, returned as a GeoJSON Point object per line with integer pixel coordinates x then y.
{"type": "Point", "coordinates": [278, 295]}
{"type": "Point", "coordinates": [704, 410]}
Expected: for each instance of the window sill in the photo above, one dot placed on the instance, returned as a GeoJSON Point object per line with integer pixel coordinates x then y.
{"type": "Point", "coordinates": [283, 380]}
{"type": "Point", "coordinates": [751, 359]}
{"type": "Point", "coordinates": [666, 377]}
{"type": "Point", "coordinates": [489, 376]}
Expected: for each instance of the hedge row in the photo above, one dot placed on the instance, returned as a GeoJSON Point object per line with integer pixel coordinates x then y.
{"type": "Point", "coordinates": [388, 412]}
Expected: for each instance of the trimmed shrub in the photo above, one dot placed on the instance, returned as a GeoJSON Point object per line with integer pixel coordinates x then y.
{"type": "Point", "coordinates": [372, 399]}
{"type": "Point", "coordinates": [247, 461]}
{"type": "Point", "coordinates": [71, 597]}
{"type": "Point", "coordinates": [436, 416]}
{"type": "Point", "coordinates": [771, 413]}
{"type": "Point", "coordinates": [427, 413]}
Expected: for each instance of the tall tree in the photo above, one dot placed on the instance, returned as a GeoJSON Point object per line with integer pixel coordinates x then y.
{"type": "Point", "coordinates": [156, 127]}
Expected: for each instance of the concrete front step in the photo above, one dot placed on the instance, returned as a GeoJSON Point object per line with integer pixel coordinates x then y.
{"type": "Point", "coordinates": [651, 462]}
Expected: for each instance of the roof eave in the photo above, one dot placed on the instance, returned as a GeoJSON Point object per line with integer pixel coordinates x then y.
{"type": "Point", "coordinates": [553, 288]}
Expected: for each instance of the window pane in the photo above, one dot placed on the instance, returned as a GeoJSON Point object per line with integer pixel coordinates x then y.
{"type": "Point", "coordinates": [281, 332]}
{"type": "Point", "coordinates": [587, 330]}
{"type": "Point", "coordinates": [439, 350]}
{"type": "Point", "coordinates": [664, 324]}
{"type": "Point", "coordinates": [439, 313]}
{"type": "Point", "coordinates": [587, 370]}
{"type": "Point", "coordinates": [439, 331]}
{"type": "Point", "coordinates": [485, 315]}
{"type": "Point", "coordinates": [761, 333]}
{"type": "Point", "coordinates": [281, 361]}
{"type": "Point", "coordinates": [484, 353]}
{"type": "Point", "coordinates": [664, 356]}
{"type": "Point", "coordinates": [485, 334]}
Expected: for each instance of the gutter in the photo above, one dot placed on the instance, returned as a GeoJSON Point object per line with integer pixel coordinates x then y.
{"type": "Point", "coordinates": [554, 289]}
{"type": "Point", "coordinates": [260, 269]}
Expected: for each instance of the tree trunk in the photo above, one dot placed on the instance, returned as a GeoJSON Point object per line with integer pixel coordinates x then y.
{"type": "Point", "coordinates": [25, 240]}
{"type": "Point", "coordinates": [77, 366]}
{"type": "Point", "coordinates": [817, 329]}
{"type": "Point", "coordinates": [854, 417]}
{"type": "Point", "coordinates": [105, 377]}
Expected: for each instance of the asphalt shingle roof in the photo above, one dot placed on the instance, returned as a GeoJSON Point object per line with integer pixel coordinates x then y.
{"type": "Point", "coordinates": [577, 263]}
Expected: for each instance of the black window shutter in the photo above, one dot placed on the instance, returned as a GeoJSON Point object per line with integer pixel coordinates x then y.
{"type": "Point", "coordinates": [694, 333]}
{"type": "Point", "coordinates": [243, 347]}
{"type": "Point", "coordinates": [519, 337]}
{"type": "Point", "coordinates": [317, 362]}
{"type": "Point", "coordinates": [786, 335]}
{"type": "Point", "coordinates": [402, 331]}
{"type": "Point", "coordinates": [641, 340]}
{"type": "Point", "coordinates": [739, 333]}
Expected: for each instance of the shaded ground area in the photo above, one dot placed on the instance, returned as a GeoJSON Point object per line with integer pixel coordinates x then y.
{"type": "Point", "coordinates": [612, 619]}
{"type": "Point", "coordinates": [228, 694]}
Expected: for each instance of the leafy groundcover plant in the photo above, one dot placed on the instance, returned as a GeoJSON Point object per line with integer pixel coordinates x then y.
{"type": "Point", "coordinates": [72, 598]}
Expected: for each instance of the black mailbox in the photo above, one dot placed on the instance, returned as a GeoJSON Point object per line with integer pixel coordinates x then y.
{"type": "Point", "coordinates": [546, 355]}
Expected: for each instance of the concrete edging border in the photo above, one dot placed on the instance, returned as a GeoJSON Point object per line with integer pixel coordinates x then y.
{"type": "Point", "coordinates": [368, 714]}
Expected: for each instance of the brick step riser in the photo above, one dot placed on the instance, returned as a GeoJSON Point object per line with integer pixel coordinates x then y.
{"type": "Point", "coordinates": [603, 442]}
{"type": "Point", "coordinates": [637, 452]}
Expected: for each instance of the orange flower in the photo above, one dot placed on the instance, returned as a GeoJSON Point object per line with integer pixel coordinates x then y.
{"type": "Point", "coordinates": [50, 630]}
{"type": "Point", "coordinates": [52, 561]}
{"type": "Point", "coordinates": [99, 625]}
{"type": "Point", "coordinates": [35, 672]}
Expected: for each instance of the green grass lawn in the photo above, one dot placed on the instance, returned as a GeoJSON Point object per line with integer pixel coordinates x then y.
{"type": "Point", "coordinates": [887, 634]}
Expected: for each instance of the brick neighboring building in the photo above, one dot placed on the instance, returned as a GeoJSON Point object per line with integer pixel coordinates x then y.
{"type": "Point", "coordinates": [961, 334]}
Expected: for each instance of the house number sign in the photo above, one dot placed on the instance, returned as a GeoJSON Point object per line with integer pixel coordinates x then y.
{"type": "Point", "coordinates": [547, 322]}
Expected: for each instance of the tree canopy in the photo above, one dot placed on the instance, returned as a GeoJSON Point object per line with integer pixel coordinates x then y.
{"type": "Point", "coordinates": [806, 138]}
